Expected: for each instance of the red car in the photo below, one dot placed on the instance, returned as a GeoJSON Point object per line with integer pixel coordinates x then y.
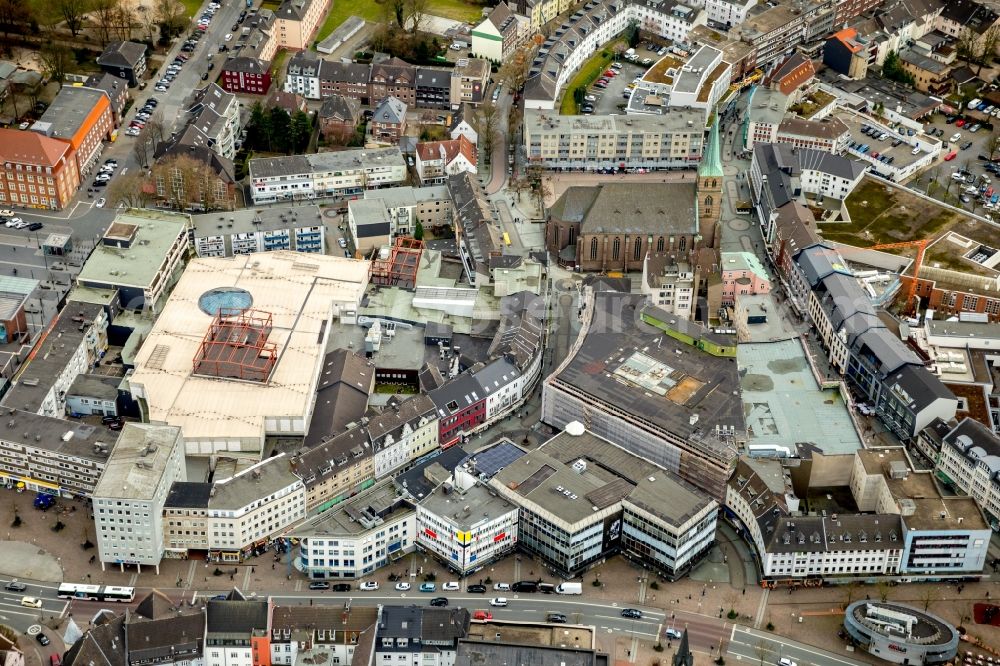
{"type": "Point", "coordinates": [610, 73]}
{"type": "Point", "coordinates": [950, 156]}
{"type": "Point", "coordinates": [960, 122]}
{"type": "Point", "coordinates": [482, 615]}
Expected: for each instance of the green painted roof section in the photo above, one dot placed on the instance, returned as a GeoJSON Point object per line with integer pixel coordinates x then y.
{"type": "Point", "coordinates": [711, 159]}
{"type": "Point", "coordinates": [744, 261]}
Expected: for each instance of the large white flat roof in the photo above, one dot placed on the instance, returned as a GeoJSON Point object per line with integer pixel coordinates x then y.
{"type": "Point", "coordinates": [301, 292]}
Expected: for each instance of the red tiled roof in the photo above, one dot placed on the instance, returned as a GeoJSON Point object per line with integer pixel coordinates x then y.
{"type": "Point", "coordinates": [431, 150]}
{"type": "Point", "coordinates": [31, 148]}
{"type": "Point", "coordinates": [848, 36]}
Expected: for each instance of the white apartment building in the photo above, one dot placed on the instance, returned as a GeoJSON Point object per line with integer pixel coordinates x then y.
{"type": "Point", "coordinates": [409, 635]}
{"type": "Point", "coordinates": [74, 343]}
{"type": "Point", "coordinates": [248, 510]}
{"type": "Point", "coordinates": [405, 205]}
{"type": "Point", "coordinates": [588, 31]}
{"type": "Point", "coordinates": [970, 459]}
{"type": "Point", "coordinates": [503, 384]}
{"type": "Point", "coordinates": [297, 228]}
{"type": "Point", "coordinates": [402, 433]}
{"type": "Point", "coordinates": [325, 175]}
{"type": "Point", "coordinates": [669, 141]}
{"type": "Point", "coordinates": [216, 116]}
{"type": "Point", "coordinates": [301, 633]}
{"type": "Point", "coordinates": [231, 625]}
{"type": "Point", "coordinates": [669, 284]}
{"type": "Point", "coordinates": [466, 529]}
{"type": "Point", "coordinates": [357, 536]}
{"type": "Point", "coordinates": [727, 13]}
{"type": "Point", "coordinates": [499, 34]}
{"type": "Point", "coordinates": [55, 456]}
{"type": "Point", "coordinates": [128, 500]}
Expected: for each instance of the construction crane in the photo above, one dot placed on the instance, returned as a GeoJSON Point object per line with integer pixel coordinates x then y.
{"type": "Point", "coordinates": [911, 291]}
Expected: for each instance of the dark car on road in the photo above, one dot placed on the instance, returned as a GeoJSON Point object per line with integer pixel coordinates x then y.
{"type": "Point", "coordinates": [556, 618]}
{"type": "Point", "coordinates": [439, 601]}
{"type": "Point", "coordinates": [42, 639]}
{"type": "Point", "coordinates": [15, 586]}
{"type": "Point", "coordinates": [476, 589]}
{"type": "Point", "coordinates": [633, 613]}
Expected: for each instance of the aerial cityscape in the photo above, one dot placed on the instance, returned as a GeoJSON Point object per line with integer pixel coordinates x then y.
{"type": "Point", "coordinates": [499, 332]}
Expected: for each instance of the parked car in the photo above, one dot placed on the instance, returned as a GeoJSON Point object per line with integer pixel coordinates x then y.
{"type": "Point", "coordinates": [673, 633]}
{"type": "Point", "coordinates": [319, 585]}
{"type": "Point", "coordinates": [402, 587]}
{"type": "Point", "coordinates": [428, 587]}
{"type": "Point", "coordinates": [368, 586]}
{"type": "Point", "coordinates": [100, 202]}
{"type": "Point", "coordinates": [966, 145]}
{"type": "Point", "coordinates": [476, 589]}
{"type": "Point", "coordinates": [451, 586]}
{"type": "Point", "coordinates": [40, 637]}
{"type": "Point", "coordinates": [341, 587]}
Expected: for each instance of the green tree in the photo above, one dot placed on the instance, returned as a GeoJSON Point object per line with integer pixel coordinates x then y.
{"type": "Point", "coordinates": [300, 131]}
{"type": "Point", "coordinates": [281, 129]}
{"type": "Point", "coordinates": [632, 33]}
{"type": "Point", "coordinates": [418, 231]}
{"type": "Point", "coordinates": [892, 69]}
{"type": "Point", "coordinates": [259, 128]}
{"type": "Point", "coordinates": [578, 94]}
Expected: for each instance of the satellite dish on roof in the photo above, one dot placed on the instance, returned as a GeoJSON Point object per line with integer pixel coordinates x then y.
{"type": "Point", "coordinates": [575, 428]}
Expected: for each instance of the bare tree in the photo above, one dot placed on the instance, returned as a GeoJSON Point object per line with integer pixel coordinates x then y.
{"type": "Point", "coordinates": [487, 126]}
{"type": "Point", "coordinates": [416, 12]}
{"type": "Point", "coordinates": [105, 15]}
{"type": "Point", "coordinates": [170, 15]}
{"type": "Point", "coordinates": [977, 49]}
{"type": "Point", "coordinates": [395, 12]}
{"type": "Point", "coordinates": [883, 589]}
{"type": "Point", "coordinates": [56, 59]}
{"type": "Point", "coordinates": [143, 149]}
{"type": "Point", "coordinates": [849, 591]}
{"type": "Point", "coordinates": [73, 12]}
{"type": "Point", "coordinates": [185, 182]}
{"type": "Point", "coordinates": [928, 595]}
{"type": "Point", "coordinates": [763, 649]}
{"type": "Point", "coordinates": [514, 71]}
{"type": "Point", "coordinates": [124, 19]}
{"type": "Point", "coordinates": [156, 127]}
{"type": "Point", "coordinates": [13, 15]}
{"type": "Point", "coordinates": [993, 144]}
{"type": "Point", "coordinates": [129, 190]}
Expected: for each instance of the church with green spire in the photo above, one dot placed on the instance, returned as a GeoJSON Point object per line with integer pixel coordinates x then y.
{"type": "Point", "coordinates": [709, 190]}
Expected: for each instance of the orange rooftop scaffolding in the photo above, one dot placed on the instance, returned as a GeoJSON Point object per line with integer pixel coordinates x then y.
{"type": "Point", "coordinates": [236, 347]}
{"type": "Point", "coordinates": [397, 266]}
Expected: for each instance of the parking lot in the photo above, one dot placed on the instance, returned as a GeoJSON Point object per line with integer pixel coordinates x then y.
{"type": "Point", "coordinates": [611, 100]}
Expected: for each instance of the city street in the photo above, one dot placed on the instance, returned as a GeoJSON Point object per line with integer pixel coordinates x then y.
{"type": "Point", "coordinates": [766, 648]}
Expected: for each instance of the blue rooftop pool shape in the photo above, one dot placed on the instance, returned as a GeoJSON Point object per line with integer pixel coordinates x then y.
{"type": "Point", "coordinates": [228, 299]}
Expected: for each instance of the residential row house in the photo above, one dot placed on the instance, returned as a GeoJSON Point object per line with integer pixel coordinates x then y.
{"type": "Point", "coordinates": [417, 87]}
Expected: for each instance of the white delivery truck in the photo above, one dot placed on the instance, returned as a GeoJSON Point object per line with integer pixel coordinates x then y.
{"type": "Point", "coordinates": [569, 588]}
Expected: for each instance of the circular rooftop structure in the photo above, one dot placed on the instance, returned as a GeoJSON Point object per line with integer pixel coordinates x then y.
{"type": "Point", "coordinates": [901, 634]}
{"type": "Point", "coordinates": [225, 299]}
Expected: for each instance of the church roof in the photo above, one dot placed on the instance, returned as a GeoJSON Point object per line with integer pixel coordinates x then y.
{"type": "Point", "coordinates": [711, 160]}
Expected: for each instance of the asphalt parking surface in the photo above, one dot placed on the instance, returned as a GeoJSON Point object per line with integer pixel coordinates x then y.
{"type": "Point", "coordinates": [610, 99]}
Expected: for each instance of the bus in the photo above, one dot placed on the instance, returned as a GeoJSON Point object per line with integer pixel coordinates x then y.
{"type": "Point", "coordinates": [96, 592]}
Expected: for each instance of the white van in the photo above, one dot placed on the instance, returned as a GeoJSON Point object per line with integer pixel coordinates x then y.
{"type": "Point", "coordinates": [501, 587]}
{"type": "Point", "coordinates": [974, 103]}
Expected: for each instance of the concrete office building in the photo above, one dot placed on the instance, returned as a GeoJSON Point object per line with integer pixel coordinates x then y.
{"type": "Point", "coordinates": [689, 424]}
{"type": "Point", "coordinates": [52, 455]}
{"type": "Point", "coordinates": [351, 540]}
{"type": "Point", "coordinates": [583, 499]}
{"type": "Point", "coordinates": [128, 500]}
{"type": "Point", "coordinates": [466, 529]}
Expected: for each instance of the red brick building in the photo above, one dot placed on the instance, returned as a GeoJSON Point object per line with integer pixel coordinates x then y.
{"type": "Point", "coordinates": [246, 75]}
{"type": "Point", "coordinates": [36, 171]}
